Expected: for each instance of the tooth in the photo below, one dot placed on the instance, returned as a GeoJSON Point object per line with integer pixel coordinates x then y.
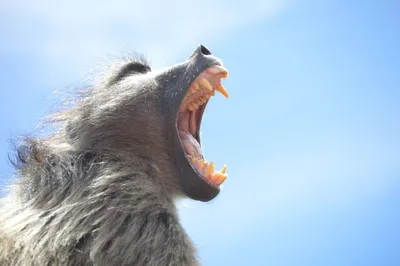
{"type": "Point", "coordinates": [222, 90]}
{"type": "Point", "coordinates": [218, 178]}
{"type": "Point", "coordinates": [223, 169]}
{"type": "Point", "coordinates": [202, 100]}
{"type": "Point", "coordinates": [209, 169]}
{"type": "Point", "coordinates": [195, 87]}
{"type": "Point", "coordinates": [198, 164]}
{"type": "Point", "coordinates": [205, 83]}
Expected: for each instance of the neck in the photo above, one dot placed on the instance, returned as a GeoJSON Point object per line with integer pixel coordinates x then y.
{"type": "Point", "coordinates": [91, 209]}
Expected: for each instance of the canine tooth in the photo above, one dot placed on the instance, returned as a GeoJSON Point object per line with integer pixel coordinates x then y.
{"type": "Point", "coordinates": [222, 90]}
{"type": "Point", "coordinates": [205, 84]}
{"type": "Point", "coordinates": [209, 169]}
{"type": "Point", "coordinates": [223, 169]}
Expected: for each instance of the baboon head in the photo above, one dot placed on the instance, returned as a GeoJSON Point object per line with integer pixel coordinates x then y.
{"type": "Point", "coordinates": [154, 116]}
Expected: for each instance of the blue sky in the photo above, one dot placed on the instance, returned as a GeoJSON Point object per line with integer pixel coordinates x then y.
{"type": "Point", "coordinates": [310, 134]}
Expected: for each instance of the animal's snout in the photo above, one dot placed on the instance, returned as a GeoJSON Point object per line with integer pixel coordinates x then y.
{"type": "Point", "coordinates": [200, 51]}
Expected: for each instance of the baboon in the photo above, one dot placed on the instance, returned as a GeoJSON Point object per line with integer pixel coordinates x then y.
{"type": "Point", "coordinates": [101, 189]}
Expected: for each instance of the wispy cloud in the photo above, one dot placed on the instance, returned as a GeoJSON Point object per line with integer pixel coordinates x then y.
{"type": "Point", "coordinates": [79, 31]}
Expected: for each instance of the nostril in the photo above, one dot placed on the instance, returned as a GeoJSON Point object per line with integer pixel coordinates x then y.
{"type": "Point", "coordinates": [204, 50]}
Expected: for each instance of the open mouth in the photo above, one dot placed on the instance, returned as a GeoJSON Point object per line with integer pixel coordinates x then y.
{"type": "Point", "coordinates": [189, 121]}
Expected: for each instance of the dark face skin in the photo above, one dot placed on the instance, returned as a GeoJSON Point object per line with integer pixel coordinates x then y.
{"type": "Point", "coordinates": [134, 113]}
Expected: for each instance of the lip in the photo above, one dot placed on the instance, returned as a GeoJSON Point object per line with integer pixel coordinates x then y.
{"type": "Point", "coordinates": [192, 183]}
{"type": "Point", "coordinates": [189, 118]}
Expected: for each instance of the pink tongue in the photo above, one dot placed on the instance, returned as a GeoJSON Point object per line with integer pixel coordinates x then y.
{"type": "Point", "coordinates": [190, 144]}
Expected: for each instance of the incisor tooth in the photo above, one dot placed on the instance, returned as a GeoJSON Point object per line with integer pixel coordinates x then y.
{"type": "Point", "coordinates": [222, 90]}
{"type": "Point", "coordinates": [210, 169]}
{"type": "Point", "coordinates": [205, 84]}
{"type": "Point", "coordinates": [218, 178]}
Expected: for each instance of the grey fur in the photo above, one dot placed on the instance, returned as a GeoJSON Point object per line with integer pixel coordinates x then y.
{"type": "Point", "coordinates": [101, 190]}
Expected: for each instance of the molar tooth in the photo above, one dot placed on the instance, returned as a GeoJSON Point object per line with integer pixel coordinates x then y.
{"type": "Point", "coordinates": [205, 84]}
{"type": "Point", "coordinates": [222, 90]}
{"type": "Point", "coordinates": [201, 100]}
{"type": "Point", "coordinates": [192, 107]}
{"type": "Point", "coordinates": [194, 87]}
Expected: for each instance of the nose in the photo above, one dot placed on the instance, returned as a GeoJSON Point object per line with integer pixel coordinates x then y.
{"type": "Point", "coordinates": [201, 50]}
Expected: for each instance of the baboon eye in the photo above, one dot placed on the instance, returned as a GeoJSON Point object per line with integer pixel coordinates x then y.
{"type": "Point", "coordinates": [131, 69]}
{"type": "Point", "coordinates": [135, 67]}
